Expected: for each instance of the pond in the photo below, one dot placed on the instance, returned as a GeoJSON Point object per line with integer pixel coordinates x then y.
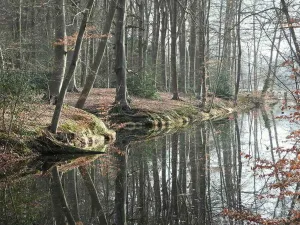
{"type": "Point", "coordinates": [209, 173]}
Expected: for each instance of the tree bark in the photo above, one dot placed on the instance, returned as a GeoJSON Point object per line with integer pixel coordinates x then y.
{"type": "Point", "coordinates": [90, 79]}
{"type": "Point", "coordinates": [70, 74]}
{"type": "Point", "coordinates": [173, 14]}
{"type": "Point", "coordinates": [120, 64]}
{"type": "Point", "coordinates": [60, 50]}
{"type": "Point", "coordinates": [164, 26]}
{"type": "Point", "coordinates": [192, 47]}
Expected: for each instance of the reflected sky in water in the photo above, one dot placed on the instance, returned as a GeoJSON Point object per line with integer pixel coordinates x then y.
{"type": "Point", "coordinates": [184, 177]}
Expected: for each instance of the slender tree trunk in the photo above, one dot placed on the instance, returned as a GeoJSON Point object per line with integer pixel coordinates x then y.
{"type": "Point", "coordinates": [182, 52]}
{"type": "Point", "coordinates": [120, 65]}
{"type": "Point", "coordinates": [239, 64]}
{"type": "Point", "coordinates": [173, 14]}
{"type": "Point", "coordinates": [141, 31]}
{"type": "Point", "coordinates": [70, 74]}
{"type": "Point", "coordinates": [164, 26]}
{"type": "Point", "coordinates": [202, 7]}
{"type": "Point", "coordinates": [60, 50]}
{"type": "Point", "coordinates": [90, 80]}
{"type": "Point", "coordinates": [155, 37]}
{"type": "Point", "coordinates": [192, 47]}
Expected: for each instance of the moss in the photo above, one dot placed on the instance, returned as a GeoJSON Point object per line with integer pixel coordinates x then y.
{"type": "Point", "coordinates": [69, 126]}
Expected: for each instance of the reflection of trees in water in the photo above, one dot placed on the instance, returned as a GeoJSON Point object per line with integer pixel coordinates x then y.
{"type": "Point", "coordinates": [187, 177]}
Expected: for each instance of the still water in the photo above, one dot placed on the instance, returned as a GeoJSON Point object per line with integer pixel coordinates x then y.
{"type": "Point", "coordinates": [185, 177]}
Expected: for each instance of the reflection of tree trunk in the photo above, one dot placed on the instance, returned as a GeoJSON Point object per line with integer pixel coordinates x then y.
{"type": "Point", "coordinates": [164, 178]}
{"type": "Point", "coordinates": [239, 175]}
{"type": "Point", "coordinates": [174, 192]}
{"type": "Point", "coordinates": [58, 213]}
{"type": "Point", "coordinates": [268, 126]}
{"type": "Point", "coordinates": [156, 186]}
{"type": "Point", "coordinates": [202, 180]}
{"type": "Point", "coordinates": [217, 145]}
{"type": "Point", "coordinates": [227, 156]}
{"type": "Point", "coordinates": [93, 193]}
{"type": "Point", "coordinates": [182, 177]}
{"type": "Point", "coordinates": [141, 192]}
{"type": "Point", "coordinates": [121, 189]}
{"type": "Point", "coordinates": [194, 178]}
{"type": "Point", "coordinates": [72, 194]}
{"type": "Point", "coordinates": [59, 197]}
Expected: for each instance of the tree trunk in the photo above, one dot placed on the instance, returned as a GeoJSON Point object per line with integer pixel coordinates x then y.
{"type": "Point", "coordinates": [164, 26]}
{"type": "Point", "coordinates": [192, 48]}
{"type": "Point", "coordinates": [70, 74]}
{"type": "Point", "coordinates": [201, 61]}
{"type": "Point", "coordinates": [173, 14]}
{"type": "Point", "coordinates": [120, 65]}
{"type": "Point", "coordinates": [60, 50]}
{"type": "Point", "coordinates": [182, 52]}
{"type": "Point", "coordinates": [239, 65]}
{"type": "Point", "coordinates": [155, 37]}
{"type": "Point", "coordinates": [90, 80]}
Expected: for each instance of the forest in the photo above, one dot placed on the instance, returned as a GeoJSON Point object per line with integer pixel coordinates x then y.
{"type": "Point", "coordinates": [185, 101]}
{"type": "Point", "coordinates": [198, 47]}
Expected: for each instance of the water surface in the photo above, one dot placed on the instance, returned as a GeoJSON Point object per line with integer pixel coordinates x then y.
{"type": "Point", "coordinates": [185, 177]}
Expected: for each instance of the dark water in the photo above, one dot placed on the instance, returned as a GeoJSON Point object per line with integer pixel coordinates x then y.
{"type": "Point", "coordinates": [187, 177]}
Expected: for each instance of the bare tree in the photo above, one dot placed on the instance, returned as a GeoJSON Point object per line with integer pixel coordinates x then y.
{"type": "Point", "coordinates": [120, 65]}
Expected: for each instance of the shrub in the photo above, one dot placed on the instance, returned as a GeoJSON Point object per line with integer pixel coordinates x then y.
{"type": "Point", "coordinates": [17, 92]}
{"type": "Point", "coordinates": [142, 86]}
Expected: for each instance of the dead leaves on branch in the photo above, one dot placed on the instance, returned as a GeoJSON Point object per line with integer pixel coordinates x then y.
{"type": "Point", "coordinates": [90, 33]}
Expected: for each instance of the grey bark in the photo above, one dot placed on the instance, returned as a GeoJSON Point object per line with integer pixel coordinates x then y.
{"type": "Point", "coordinates": [90, 80]}
{"type": "Point", "coordinates": [192, 47]}
{"type": "Point", "coordinates": [164, 26]}
{"type": "Point", "coordinates": [239, 64]}
{"type": "Point", "coordinates": [120, 64]}
{"type": "Point", "coordinates": [70, 74]}
{"type": "Point", "coordinates": [174, 76]}
{"type": "Point", "coordinates": [60, 50]}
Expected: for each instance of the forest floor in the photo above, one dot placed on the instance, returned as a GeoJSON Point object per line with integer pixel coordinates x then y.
{"type": "Point", "coordinates": [100, 102]}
